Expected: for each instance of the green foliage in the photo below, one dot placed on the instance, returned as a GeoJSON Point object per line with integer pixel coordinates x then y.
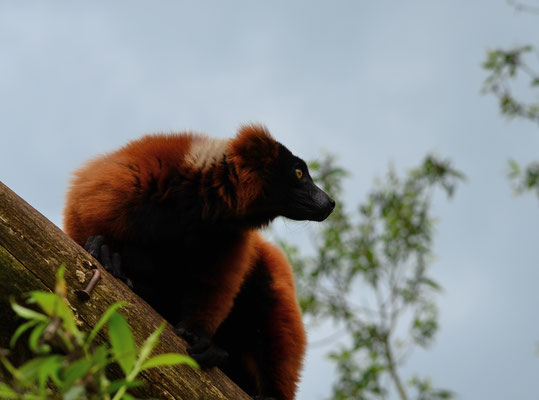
{"type": "Point", "coordinates": [425, 391]}
{"type": "Point", "coordinates": [504, 67]}
{"type": "Point", "coordinates": [524, 179]}
{"type": "Point", "coordinates": [370, 275]}
{"type": "Point", "coordinates": [67, 364]}
{"type": "Point", "coordinates": [122, 342]}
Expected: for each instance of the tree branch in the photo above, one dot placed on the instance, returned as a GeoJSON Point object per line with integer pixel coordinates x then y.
{"type": "Point", "coordinates": [392, 367]}
{"type": "Point", "coordinates": [32, 249]}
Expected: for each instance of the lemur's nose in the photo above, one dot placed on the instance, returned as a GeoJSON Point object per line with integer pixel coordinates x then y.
{"type": "Point", "coordinates": [331, 203]}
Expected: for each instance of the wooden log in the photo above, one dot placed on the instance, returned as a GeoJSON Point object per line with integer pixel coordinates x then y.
{"type": "Point", "coordinates": [31, 250]}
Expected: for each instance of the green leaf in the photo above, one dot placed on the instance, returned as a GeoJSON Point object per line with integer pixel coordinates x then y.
{"type": "Point", "coordinates": [127, 396]}
{"type": "Point", "coordinates": [50, 368]}
{"type": "Point", "coordinates": [20, 330]}
{"type": "Point", "coordinates": [149, 344]}
{"type": "Point", "coordinates": [431, 283]}
{"type": "Point", "coordinates": [122, 342]}
{"type": "Point", "coordinates": [103, 320]}
{"type": "Point", "coordinates": [34, 339]}
{"type": "Point", "coordinates": [100, 357]}
{"type": "Point", "coordinates": [52, 304]}
{"type": "Point", "coordinates": [169, 359]}
{"type": "Point", "coordinates": [314, 165]}
{"type": "Point", "coordinates": [46, 300]}
{"type": "Point", "coordinates": [74, 372]}
{"type": "Point", "coordinates": [514, 169]}
{"type": "Point", "coordinates": [60, 287]}
{"type": "Point", "coordinates": [116, 385]}
{"type": "Point", "coordinates": [7, 393]}
{"type": "Point", "coordinates": [29, 370]}
{"type": "Point", "coordinates": [10, 368]}
{"type": "Point", "coordinates": [26, 313]}
{"type": "Point", "coordinates": [75, 393]}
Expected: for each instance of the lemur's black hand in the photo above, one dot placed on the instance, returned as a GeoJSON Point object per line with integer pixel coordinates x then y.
{"type": "Point", "coordinates": [96, 247]}
{"type": "Point", "coordinates": [207, 354]}
{"type": "Point", "coordinates": [201, 348]}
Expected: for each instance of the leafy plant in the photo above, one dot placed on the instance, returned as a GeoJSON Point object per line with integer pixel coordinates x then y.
{"type": "Point", "coordinates": [510, 69]}
{"type": "Point", "coordinates": [524, 179]}
{"type": "Point", "coordinates": [68, 363]}
{"type": "Point", "coordinates": [370, 276]}
{"type": "Point", "coordinates": [504, 67]}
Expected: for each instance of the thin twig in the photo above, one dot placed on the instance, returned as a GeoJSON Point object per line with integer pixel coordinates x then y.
{"type": "Point", "coordinates": [392, 367]}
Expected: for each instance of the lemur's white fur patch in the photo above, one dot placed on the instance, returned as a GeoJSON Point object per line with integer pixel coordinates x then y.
{"type": "Point", "coordinates": [206, 151]}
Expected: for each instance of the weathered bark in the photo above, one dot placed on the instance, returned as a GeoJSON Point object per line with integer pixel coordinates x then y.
{"type": "Point", "coordinates": [31, 250]}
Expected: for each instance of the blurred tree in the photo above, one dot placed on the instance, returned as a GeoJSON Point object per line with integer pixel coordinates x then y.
{"type": "Point", "coordinates": [369, 275]}
{"type": "Point", "coordinates": [509, 71]}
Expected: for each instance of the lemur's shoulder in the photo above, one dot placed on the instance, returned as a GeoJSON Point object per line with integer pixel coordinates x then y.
{"type": "Point", "coordinates": [105, 189]}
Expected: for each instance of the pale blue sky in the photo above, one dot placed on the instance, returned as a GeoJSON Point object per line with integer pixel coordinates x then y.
{"type": "Point", "coordinates": [373, 82]}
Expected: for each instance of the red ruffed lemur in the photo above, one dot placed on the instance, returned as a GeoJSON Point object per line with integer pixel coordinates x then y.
{"type": "Point", "coordinates": [180, 215]}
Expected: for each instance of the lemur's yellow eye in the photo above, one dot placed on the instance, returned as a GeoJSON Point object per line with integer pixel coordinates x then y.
{"type": "Point", "coordinates": [299, 173]}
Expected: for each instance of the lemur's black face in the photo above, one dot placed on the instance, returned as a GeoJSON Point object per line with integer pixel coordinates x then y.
{"type": "Point", "coordinates": [294, 192]}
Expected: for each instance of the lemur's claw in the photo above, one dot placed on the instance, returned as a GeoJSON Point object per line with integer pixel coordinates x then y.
{"type": "Point", "coordinates": [96, 247]}
{"type": "Point", "coordinates": [207, 354]}
{"type": "Point", "coordinates": [201, 348]}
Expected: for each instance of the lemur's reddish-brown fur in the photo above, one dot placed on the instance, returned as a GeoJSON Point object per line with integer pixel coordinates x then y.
{"type": "Point", "coordinates": [165, 188]}
{"type": "Point", "coordinates": [103, 188]}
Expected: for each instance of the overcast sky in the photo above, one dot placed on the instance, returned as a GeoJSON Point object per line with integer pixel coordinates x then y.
{"type": "Point", "coordinates": [374, 82]}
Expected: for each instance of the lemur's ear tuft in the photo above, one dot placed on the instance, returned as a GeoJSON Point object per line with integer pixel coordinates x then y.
{"type": "Point", "coordinates": [254, 143]}
{"type": "Point", "coordinates": [251, 154]}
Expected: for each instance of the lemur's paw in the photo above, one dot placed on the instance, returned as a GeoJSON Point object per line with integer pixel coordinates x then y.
{"type": "Point", "coordinates": [201, 348]}
{"type": "Point", "coordinates": [185, 333]}
{"type": "Point", "coordinates": [207, 354]}
{"type": "Point", "coordinates": [96, 247]}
